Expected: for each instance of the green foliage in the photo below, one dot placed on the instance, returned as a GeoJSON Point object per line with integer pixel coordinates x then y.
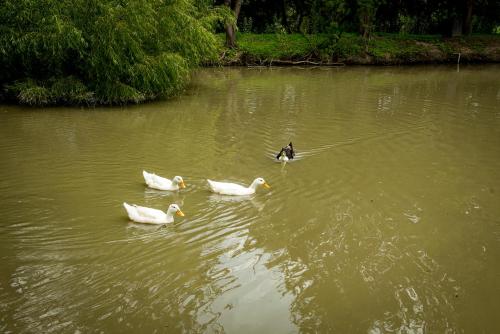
{"type": "Point", "coordinates": [367, 16]}
{"type": "Point", "coordinates": [30, 93]}
{"type": "Point", "coordinates": [112, 51]}
{"type": "Point", "coordinates": [348, 45]}
{"type": "Point", "coordinates": [366, 11]}
{"type": "Point", "coordinates": [328, 16]}
{"type": "Point", "coordinates": [67, 90]}
{"type": "Point", "coordinates": [410, 37]}
{"type": "Point", "coordinates": [329, 49]}
{"type": "Point", "coordinates": [273, 46]}
{"type": "Point", "coordinates": [382, 48]}
{"type": "Point", "coordinates": [70, 90]}
{"type": "Point", "coordinates": [246, 25]}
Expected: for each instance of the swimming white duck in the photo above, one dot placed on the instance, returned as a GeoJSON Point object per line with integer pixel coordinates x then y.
{"type": "Point", "coordinates": [141, 214]}
{"type": "Point", "coordinates": [157, 182]}
{"type": "Point", "coordinates": [226, 188]}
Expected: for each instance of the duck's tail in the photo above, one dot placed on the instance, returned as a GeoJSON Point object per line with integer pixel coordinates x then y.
{"type": "Point", "coordinates": [129, 208]}
{"type": "Point", "coordinates": [279, 154]}
{"type": "Point", "coordinates": [147, 177]}
{"type": "Point", "coordinates": [210, 184]}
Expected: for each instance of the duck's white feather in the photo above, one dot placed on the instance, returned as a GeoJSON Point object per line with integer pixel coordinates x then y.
{"type": "Point", "coordinates": [283, 158]}
{"type": "Point", "coordinates": [226, 188]}
{"type": "Point", "coordinates": [157, 182]}
{"type": "Point", "coordinates": [141, 214]}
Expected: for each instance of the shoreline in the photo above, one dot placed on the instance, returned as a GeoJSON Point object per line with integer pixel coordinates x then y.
{"type": "Point", "coordinates": [288, 50]}
{"type": "Point", "coordinates": [351, 49]}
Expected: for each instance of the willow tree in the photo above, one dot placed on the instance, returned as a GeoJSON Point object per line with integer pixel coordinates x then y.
{"type": "Point", "coordinates": [101, 51]}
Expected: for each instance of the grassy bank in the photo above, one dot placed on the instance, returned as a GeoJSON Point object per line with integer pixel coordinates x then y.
{"type": "Point", "coordinates": [381, 49]}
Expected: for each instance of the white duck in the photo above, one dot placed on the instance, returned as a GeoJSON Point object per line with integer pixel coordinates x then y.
{"type": "Point", "coordinates": [157, 182]}
{"type": "Point", "coordinates": [226, 188]}
{"type": "Point", "coordinates": [141, 214]}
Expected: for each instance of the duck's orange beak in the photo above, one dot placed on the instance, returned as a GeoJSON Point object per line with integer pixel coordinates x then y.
{"type": "Point", "coordinates": [265, 185]}
{"type": "Point", "coordinates": [183, 185]}
{"type": "Point", "coordinates": [180, 213]}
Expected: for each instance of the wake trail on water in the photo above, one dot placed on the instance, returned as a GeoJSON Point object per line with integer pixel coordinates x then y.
{"type": "Point", "coordinates": [317, 150]}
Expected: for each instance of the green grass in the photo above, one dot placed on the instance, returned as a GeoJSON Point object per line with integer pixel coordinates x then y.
{"type": "Point", "coordinates": [409, 37]}
{"type": "Point", "coordinates": [268, 47]}
{"type": "Point", "coordinates": [272, 46]}
{"type": "Point", "coordinates": [381, 48]}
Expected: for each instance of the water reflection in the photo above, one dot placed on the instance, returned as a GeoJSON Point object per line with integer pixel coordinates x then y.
{"type": "Point", "coordinates": [352, 264]}
{"type": "Point", "coordinates": [385, 222]}
{"type": "Point", "coordinates": [226, 199]}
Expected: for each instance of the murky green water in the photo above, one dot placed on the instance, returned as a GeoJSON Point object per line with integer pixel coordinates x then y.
{"type": "Point", "coordinates": [388, 221]}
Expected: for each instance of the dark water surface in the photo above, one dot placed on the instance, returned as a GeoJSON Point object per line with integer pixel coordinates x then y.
{"type": "Point", "coordinates": [388, 221]}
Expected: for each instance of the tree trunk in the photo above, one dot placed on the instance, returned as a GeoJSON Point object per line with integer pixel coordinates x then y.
{"type": "Point", "coordinates": [467, 27]}
{"type": "Point", "coordinates": [298, 22]}
{"type": "Point", "coordinates": [231, 28]}
{"type": "Point", "coordinates": [284, 19]}
{"type": "Point", "coordinates": [237, 7]}
{"type": "Point", "coordinates": [230, 36]}
{"type": "Point", "coordinates": [456, 28]}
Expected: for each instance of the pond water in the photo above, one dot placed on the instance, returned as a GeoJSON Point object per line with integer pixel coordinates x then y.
{"type": "Point", "coordinates": [387, 221]}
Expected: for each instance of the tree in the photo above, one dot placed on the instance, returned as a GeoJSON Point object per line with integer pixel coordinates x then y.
{"type": "Point", "coordinates": [467, 29]}
{"type": "Point", "coordinates": [235, 6]}
{"type": "Point", "coordinates": [366, 16]}
{"type": "Point", "coordinates": [367, 10]}
{"type": "Point", "coordinates": [104, 51]}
